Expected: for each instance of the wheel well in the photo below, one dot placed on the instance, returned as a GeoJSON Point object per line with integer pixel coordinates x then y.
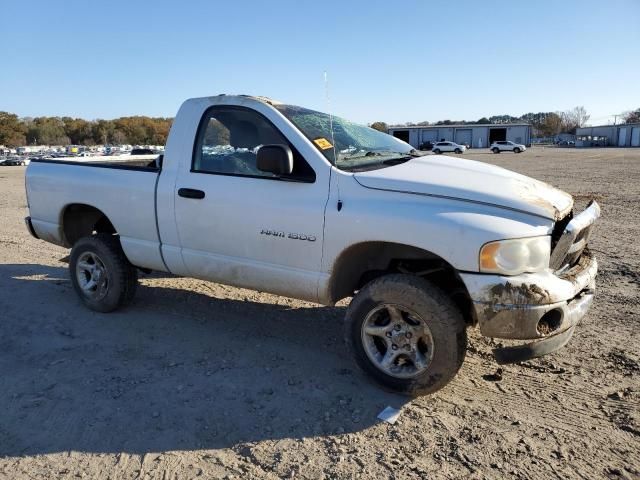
{"type": "Point", "coordinates": [364, 262]}
{"type": "Point", "coordinates": [79, 220]}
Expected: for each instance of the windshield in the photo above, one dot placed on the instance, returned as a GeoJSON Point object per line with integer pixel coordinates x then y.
{"type": "Point", "coordinates": [356, 146]}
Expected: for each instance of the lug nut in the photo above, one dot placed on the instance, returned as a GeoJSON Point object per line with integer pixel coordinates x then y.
{"type": "Point", "coordinates": [398, 327]}
{"type": "Point", "coordinates": [388, 334]}
{"type": "Point", "coordinates": [394, 347]}
{"type": "Point", "coordinates": [407, 347]}
{"type": "Point", "coordinates": [408, 335]}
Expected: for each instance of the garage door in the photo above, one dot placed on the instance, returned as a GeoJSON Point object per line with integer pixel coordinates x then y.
{"type": "Point", "coordinates": [429, 136]}
{"type": "Point", "coordinates": [622, 137]}
{"type": "Point", "coordinates": [463, 136]}
{"type": "Point", "coordinates": [497, 135]}
{"type": "Point", "coordinates": [402, 135]}
{"type": "Point", "coordinates": [635, 137]}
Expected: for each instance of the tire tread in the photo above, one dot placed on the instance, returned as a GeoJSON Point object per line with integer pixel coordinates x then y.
{"type": "Point", "coordinates": [444, 312]}
{"type": "Point", "coordinates": [122, 269]}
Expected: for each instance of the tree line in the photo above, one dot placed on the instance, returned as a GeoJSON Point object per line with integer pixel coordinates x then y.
{"type": "Point", "coordinates": [142, 130]}
{"type": "Point", "coordinates": [136, 130]}
{"type": "Point", "coordinates": [544, 124]}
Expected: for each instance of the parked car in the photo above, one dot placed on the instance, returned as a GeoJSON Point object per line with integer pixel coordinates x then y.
{"type": "Point", "coordinates": [142, 151]}
{"type": "Point", "coordinates": [497, 147]}
{"type": "Point", "coordinates": [13, 161]}
{"type": "Point", "coordinates": [267, 196]}
{"type": "Point", "coordinates": [426, 146]}
{"type": "Point", "coordinates": [444, 147]}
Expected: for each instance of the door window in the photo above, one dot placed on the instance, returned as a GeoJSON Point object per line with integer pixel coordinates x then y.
{"type": "Point", "coordinates": [229, 140]}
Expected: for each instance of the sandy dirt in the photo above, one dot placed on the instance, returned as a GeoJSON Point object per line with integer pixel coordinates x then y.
{"type": "Point", "coordinates": [197, 379]}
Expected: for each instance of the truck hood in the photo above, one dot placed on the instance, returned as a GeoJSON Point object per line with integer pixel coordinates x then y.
{"type": "Point", "coordinates": [468, 180]}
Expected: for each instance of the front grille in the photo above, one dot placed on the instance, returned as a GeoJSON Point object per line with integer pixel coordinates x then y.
{"type": "Point", "coordinates": [573, 237]}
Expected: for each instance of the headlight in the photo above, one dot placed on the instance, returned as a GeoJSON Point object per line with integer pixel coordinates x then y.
{"type": "Point", "coordinates": [511, 257]}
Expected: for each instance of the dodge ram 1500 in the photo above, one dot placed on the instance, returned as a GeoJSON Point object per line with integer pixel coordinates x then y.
{"type": "Point", "coordinates": [269, 196]}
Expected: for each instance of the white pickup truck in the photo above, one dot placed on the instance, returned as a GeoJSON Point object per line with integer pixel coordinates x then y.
{"type": "Point", "coordinates": [273, 197]}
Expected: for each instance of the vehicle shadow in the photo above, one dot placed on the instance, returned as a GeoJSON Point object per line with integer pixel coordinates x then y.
{"type": "Point", "coordinates": [177, 370]}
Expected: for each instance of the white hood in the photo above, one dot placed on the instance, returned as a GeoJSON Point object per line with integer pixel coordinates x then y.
{"type": "Point", "coordinates": [469, 180]}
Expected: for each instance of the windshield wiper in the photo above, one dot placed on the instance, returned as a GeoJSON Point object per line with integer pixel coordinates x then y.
{"type": "Point", "coordinates": [359, 155]}
{"type": "Point", "coordinates": [398, 161]}
{"type": "Point", "coordinates": [416, 153]}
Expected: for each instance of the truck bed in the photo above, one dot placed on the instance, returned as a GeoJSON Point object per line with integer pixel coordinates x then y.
{"type": "Point", "coordinates": [123, 190]}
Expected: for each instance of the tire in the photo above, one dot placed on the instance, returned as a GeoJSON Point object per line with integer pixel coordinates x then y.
{"type": "Point", "coordinates": [516, 150]}
{"type": "Point", "coordinates": [436, 151]}
{"type": "Point", "coordinates": [114, 279]}
{"type": "Point", "coordinates": [440, 347]}
{"type": "Point", "coordinates": [495, 150]}
{"type": "Point", "coordinates": [458, 151]}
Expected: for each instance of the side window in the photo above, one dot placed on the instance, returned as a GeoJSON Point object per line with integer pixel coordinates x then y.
{"type": "Point", "coordinates": [229, 140]}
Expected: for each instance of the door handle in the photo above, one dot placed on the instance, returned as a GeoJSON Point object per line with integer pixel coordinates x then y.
{"type": "Point", "coordinates": [191, 193]}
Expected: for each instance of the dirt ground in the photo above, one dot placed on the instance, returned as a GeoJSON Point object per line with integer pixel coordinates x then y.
{"type": "Point", "coordinates": [196, 379]}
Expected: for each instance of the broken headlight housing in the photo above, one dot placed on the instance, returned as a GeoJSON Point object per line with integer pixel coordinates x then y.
{"type": "Point", "coordinates": [512, 257]}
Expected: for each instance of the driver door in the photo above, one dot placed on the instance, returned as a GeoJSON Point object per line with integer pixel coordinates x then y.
{"type": "Point", "coordinates": [241, 226]}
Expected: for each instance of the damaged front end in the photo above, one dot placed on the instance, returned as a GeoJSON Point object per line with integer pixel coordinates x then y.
{"type": "Point", "coordinates": [544, 306]}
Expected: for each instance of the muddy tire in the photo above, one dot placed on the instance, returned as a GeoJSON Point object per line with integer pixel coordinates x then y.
{"type": "Point", "coordinates": [100, 273]}
{"type": "Point", "coordinates": [458, 151]}
{"type": "Point", "coordinates": [495, 150]}
{"type": "Point", "coordinates": [516, 150]}
{"type": "Point", "coordinates": [406, 334]}
{"type": "Point", "coordinates": [436, 151]}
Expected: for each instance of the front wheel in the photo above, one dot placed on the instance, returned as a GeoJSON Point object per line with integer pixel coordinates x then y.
{"type": "Point", "coordinates": [406, 334]}
{"type": "Point", "coordinates": [101, 275]}
{"type": "Point", "coordinates": [458, 151]}
{"type": "Point", "coordinates": [516, 150]}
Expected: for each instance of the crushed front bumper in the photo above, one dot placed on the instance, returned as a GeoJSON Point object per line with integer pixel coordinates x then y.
{"type": "Point", "coordinates": [538, 306]}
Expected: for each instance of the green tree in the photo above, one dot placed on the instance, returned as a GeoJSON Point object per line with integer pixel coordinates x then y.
{"type": "Point", "coordinates": [552, 125]}
{"type": "Point", "coordinates": [632, 116]}
{"type": "Point", "coordinates": [503, 119]}
{"type": "Point", "coordinates": [12, 130]}
{"type": "Point", "coordinates": [138, 130]}
{"type": "Point", "coordinates": [47, 131]}
{"type": "Point", "coordinates": [380, 126]}
{"type": "Point", "coordinates": [102, 131]}
{"type": "Point", "coordinates": [78, 130]}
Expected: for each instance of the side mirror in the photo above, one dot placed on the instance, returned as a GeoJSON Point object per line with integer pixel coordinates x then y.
{"type": "Point", "coordinates": [276, 159]}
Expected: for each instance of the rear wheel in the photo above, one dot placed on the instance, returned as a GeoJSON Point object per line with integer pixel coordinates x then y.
{"type": "Point", "coordinates": [436, 151]}
{"type": "Point", "coordinates": [495, 150]}
{"type": "Point", "coordinates": [406, 334]}
{"type": "Point", "coordinates": [101, 275]}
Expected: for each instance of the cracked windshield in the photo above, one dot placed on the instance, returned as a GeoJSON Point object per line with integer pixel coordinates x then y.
{"type": "Point", "coordinates": [357, 147]}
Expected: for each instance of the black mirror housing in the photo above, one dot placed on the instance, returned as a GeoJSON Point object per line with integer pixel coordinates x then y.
{"type": "Point", "coordinates": [276, 159]}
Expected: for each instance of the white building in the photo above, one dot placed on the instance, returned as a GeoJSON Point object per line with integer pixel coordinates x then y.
{"type": "Point", "coordinates": [475, 135]}
{"type": "Point", "coordinates": [627, 135]}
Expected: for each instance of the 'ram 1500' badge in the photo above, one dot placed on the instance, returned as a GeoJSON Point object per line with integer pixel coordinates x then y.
{"type": "Point", "coordinates": [292, 236]}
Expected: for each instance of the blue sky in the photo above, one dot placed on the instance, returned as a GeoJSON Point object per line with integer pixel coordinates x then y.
{"type": "Point", "coordinates": [392, 61]}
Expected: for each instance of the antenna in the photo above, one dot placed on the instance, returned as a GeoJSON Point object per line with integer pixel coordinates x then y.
{"type": "Point", "coordinates": [333, 141]}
